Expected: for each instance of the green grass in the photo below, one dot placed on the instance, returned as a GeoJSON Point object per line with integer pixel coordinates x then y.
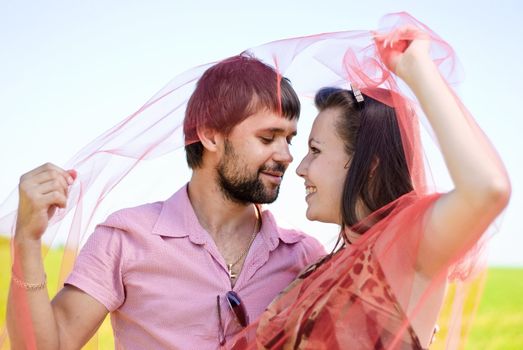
{"type": "Point", "coordinates": [498, 323]}
{"type": "Point", "coordinates": [5, 264]}
{"type": "Point", "coordinates": [52, 264]}
{"type": "Point", "coordinates": [499, 320]}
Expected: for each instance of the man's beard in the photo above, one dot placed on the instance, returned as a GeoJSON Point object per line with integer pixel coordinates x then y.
{"type": "Point", "coordinates": [238, 185]}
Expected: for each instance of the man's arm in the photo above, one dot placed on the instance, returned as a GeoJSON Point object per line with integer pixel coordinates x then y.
{"type": "Point", "coordinates": [32, 319]}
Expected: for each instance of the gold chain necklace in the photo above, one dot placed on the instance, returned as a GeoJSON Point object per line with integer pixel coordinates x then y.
{"type": "Point", "coordinates": [232, 274]}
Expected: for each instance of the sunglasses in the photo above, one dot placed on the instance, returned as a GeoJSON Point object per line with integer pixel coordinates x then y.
{"type": "Point", "coordinates": [237, 308]}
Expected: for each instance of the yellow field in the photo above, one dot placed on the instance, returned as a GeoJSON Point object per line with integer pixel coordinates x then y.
{"type": "Point", "coordinates": [498, 323]}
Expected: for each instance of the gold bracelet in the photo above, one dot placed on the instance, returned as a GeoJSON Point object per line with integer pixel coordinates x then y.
{"type": "Point", "coordinates": [29, 286]}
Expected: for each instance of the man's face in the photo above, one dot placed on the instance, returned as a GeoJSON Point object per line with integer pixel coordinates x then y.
{"type": "Point", "coordinates": [255, 157]}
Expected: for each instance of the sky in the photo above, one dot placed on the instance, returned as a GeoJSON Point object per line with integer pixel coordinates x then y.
{"type": "Point", "coordinates": [69, 70]}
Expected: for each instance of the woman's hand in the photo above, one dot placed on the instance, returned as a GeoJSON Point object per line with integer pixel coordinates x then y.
{"type": "Point", "coordinates": [41, 191]}
{"type": "Point", "coordinates": [403, 50]}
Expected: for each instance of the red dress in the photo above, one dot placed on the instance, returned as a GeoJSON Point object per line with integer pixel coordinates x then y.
{"type": "Point", "coordinates": [356, 298]}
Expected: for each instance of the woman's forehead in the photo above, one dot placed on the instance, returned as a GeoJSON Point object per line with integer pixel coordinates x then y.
{"type": "Point", "coordinates": [325, 123]}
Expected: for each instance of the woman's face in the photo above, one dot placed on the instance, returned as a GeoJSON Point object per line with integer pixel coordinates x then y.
{"type": "Point", "coordinates": [323, 169]}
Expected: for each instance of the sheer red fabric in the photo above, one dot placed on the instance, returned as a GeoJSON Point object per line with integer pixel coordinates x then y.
{"type": "Point", "coordinates": [362, 296]}
{"type": "Point", "coordinates": [332, 307]}
{"type": "Point", "coordinates": [369, 294]}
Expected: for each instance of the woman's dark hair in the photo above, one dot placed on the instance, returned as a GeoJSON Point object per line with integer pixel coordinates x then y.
{"type": "Point", "coordinates": [378, 172]}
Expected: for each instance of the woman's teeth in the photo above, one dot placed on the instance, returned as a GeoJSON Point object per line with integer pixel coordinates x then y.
{"type": "Point", "coordinates": [309, 190]}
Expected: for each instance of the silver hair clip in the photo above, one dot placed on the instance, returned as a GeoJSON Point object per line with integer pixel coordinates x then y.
{"type": "Point", "coordinates": [357, 94]}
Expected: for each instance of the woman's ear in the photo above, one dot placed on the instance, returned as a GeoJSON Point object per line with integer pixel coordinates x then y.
{"type": "Point", "coordinates": [374, 166]}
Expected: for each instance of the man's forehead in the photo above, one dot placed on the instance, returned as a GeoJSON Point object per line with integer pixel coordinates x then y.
{"type": "Point", "coordinates": [275, 130]}
{"type": "Point", "coordinates": [270, 121]}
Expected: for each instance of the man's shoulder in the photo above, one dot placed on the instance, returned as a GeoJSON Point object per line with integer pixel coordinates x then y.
{"type": "Point", "coordinates": [292, 235]}
{"type": "Point", "coordinates": [298, 237]}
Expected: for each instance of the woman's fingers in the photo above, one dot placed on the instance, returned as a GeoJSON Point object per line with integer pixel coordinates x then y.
{"type": "Point", "coordinates": [49, 170]}
{"type": "Point", "coordinates": [401, 47]}
{"type": "Point", "coordinates": [403, 34]}
{"type": "Point", "coordinates": [42, 190]}
{"type": "Point", "coordinates": [54, 198]}
{"type": "Point", "coordinates": [55, 184]}
{"type": "Point", "coordinates": [43, 181]}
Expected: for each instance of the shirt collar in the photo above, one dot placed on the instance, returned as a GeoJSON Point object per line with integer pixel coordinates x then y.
{"type": "Point", "coordinates": [177, 219]}
{"type": "Point", "coordinates": [272, 234]}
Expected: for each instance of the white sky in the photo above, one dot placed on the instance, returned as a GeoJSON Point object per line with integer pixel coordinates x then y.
{"type": "Point", "coordinates": [69, 70]}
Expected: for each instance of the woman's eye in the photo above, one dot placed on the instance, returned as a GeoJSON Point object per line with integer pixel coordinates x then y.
{"type": "Point", "coordinates": [314, 150]}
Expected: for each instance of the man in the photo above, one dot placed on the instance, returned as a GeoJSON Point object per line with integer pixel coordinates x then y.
{"type": "Point", "coordinates": [168, 271]}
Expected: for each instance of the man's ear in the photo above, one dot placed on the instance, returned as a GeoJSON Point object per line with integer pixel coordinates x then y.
{"type": "Point", "coordinates": [209, 138]}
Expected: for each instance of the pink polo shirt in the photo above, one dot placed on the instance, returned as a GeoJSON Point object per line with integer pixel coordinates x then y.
{"type": "Point", "coordinates": [158, 272]}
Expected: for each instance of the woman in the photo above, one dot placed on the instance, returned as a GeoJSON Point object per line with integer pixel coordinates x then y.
{"type": "Point", "coordinates": [385, 286]}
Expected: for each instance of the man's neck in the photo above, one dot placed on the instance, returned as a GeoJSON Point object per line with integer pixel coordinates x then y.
{"type": "Point", "coordinates": [221, 217]}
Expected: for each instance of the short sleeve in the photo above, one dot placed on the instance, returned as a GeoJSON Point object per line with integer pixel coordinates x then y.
{"type": "Point", "coordinates": [98, 269]}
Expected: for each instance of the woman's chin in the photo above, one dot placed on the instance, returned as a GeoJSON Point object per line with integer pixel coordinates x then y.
{"type": "Point", "coordinates": [314, 216]}
{"type": "Point", "coordinates": [309, 214]}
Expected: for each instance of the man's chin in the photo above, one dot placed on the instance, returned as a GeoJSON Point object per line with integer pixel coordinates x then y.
{"type": "Point", "coordinates": [272, 195]}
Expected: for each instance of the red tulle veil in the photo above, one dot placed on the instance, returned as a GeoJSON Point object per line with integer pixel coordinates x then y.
{"type": "Point", "coordinates": [311, 62]}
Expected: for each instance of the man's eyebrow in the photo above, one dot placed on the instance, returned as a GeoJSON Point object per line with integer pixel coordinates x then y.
{"type": "Point", "coordinates": [280, 131]}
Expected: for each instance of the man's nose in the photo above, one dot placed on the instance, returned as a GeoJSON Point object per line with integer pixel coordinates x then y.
{"type": "Point", "coordinates": [283, 154]}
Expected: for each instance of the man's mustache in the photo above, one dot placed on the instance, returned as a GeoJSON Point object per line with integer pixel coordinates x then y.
{"type": "Point", "coordinates": [278, 167]}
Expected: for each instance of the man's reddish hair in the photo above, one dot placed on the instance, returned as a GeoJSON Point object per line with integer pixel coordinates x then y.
{"type": "Point", "coordinates": [228, 93]}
